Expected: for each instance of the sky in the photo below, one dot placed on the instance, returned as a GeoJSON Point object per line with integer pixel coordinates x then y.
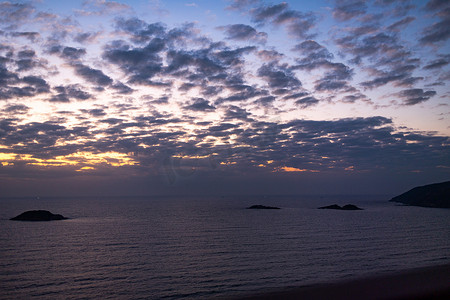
{"type": "Point", "coordinates": [223, 97]}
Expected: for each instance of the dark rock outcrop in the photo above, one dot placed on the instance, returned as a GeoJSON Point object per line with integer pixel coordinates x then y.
{"type": "Point", "coordinates": [432, 195]}
{"type": "Point", "coordinates": [262, 207]}
{"type": "Point", "coordinates": [38, 215]}
{"type": "Point", "coordinates": [345, 207]}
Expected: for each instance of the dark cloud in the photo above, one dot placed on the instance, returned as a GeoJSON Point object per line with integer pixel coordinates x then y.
{"type": "Point", "coordinates": [68, 53]}
{"type": "Point", "coordinates": [96, 112]}
{"type": "Point", "coordinates": [241, 4]}
{"type": "Point", "coordinates": [12, 86]}
{"type": "Point", "coordinates": [200, 104]}
{"type": "Point", "coordinates": [140, 30]}
{"type": "Point", "coordinates": [261, 14]}
{"type": "Point", "coordinates": [72, 53]}
{"type": "Point", "coordinates": [25, 64]}
{"type": "Point", "coordinates": [186, 86]}
{"type": "Point", "coordinates": [140, 63]}
{"type": "Point", "coordinates": [233, 112]}
{"type": "Point", "coordinates": [16, 109]}
{"type": "Point", "coordinates": [401, 24]}
{"type": "Point", "coordinates": [437, 32]}
{"type": "Point", "coordinates": [278, 76]}
{"type": "Point", "coordinates": [415, 96]}
{"type": "Point", "coordinates": [27, 60]}
{"type": "Point", "coordinates": [100, 8]}
{"type": "Point", "coordinates": [7, 77]}
{"type": "Point", "coordinates": [295, 95]}
{"type": "Point", "coordinates": [93, 76]}
{"type": "Point", "coordinates": [306, 101]}
{"type": "Point", "coordinates": [348, 9]}
{"type": "Point", "coordinates": [330, 85]}
{"type": "Point", "coordinates": [387, 78]}
{"type": "Point", "coordinates": [270, 55]}
{"type": "Point", "coordinates": [69, 92]}
{"type": "Point", "coordinates": [242, 32]}
{"type": "Point", "coordinates": [26, 53]}
{"type": "Point", "coordinates": [437, 4]}
{"type": "Point", "coordinates": [161, 100]}
{"type": "Point", "coordinates": [383, 54]}
{"type": "Point", "coordinates": [38, 83]}
{"type": "Point", "coordinates": [85, 37]}
{"type": "Point", "coordinates": [13, 14]}
{"type": "Point", "coordinates": [438, 63]}
{"type": "Point", "coordinates": [122, 88]}
{"type": "Point", "coordinates": [313, 51]}
{"type": "Point", "coordinates": [353, 98]}
{"type": "Point", "coordinates": [298, 24]}
{"type": "Point", "coordinates": [244, 93]}
{"type": "Point", "coordinates": [400, 9]}
{"type": "Point", "coordinates": [265, 100]}
{"type": "Point", "coordinates": [31, 36]}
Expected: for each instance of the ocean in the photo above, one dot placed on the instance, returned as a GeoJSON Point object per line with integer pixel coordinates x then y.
{"type": "Point", "coordinates": [208, 247]}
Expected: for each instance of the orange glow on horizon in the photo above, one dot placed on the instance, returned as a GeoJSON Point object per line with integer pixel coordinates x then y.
{"type": "Point", "coordinates": [84, 158]}
{"type": "Point", "coordinates": [291, 169]}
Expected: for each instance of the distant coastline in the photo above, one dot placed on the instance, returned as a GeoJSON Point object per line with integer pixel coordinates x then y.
{"type": "Point", "coordinates": [435, 195]}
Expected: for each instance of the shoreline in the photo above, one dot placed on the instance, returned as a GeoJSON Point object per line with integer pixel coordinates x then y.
{"type": "Point", "coordinates": [419, 283]}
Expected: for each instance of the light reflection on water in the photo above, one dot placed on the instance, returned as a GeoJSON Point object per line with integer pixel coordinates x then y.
{"type": "Point", "coordinates": [207, 247]}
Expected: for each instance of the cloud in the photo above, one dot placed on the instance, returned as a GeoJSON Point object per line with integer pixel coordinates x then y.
{"type": "Point", "coordinates": [348, 9]}
{"type": "Point", "coordinates": [92, 75]}
{"type": "Point", "coordinates": [241, 4]}
{"type": "Point", "coordinates": [437, 4]}
{"type": "Point", "coordinates": [278, 76]}
{"type": "Point", "coordinates": [31, 36]}
{"type": "Point", "coordinates": [415, 96]}
{"type": "Point", "coordinates": [330, 85]}
{"type": "Point", "coordinates": [140, 30]}
{"type": "Point", "coordinates": [400, 76]}
{"type": "Point", "coordinates": [140, 65]}
{"type": "Point", "coordinates": [12, 86]}
{"type": "Point", "coordinates": [16, 109]}
{"type": "Point", "coordinates": [122, 88]}
{"type": "Point", "coordinates": [298, 24]}
{"type": "Point", "coordinates": [438, 63]}
{"type": "Point", "coordinates": [102, 7]}
{"type": "Point", "coordinates": [40, 85]}
{"type": "Point", "coordinates": [95, 112]}
{"type": "Point", "coordinates": [242, 32]}
{"type": "Point", "coordinates": [72, 53]}
{"type": "Point", "coordinates": [69, 92]}
{"type": "Point", "coordinates": [200, 104]}
{"type": "Point", "coordinates": [437, 32]}
{"type": "Point", "coordinates": [233, 112]}
{"type": "Point", "coordinates": [306, 102]}
{"type": "Point", "coordinates": [313, 51]}
{"type": "Point", "coordinates": [13, 14]}
{"type": "Point", "coordinates": [270, 55]}
{"type": "Point", "coordinates": [400, 24]}
{"type": "Point", "coordinates": [86, 37]}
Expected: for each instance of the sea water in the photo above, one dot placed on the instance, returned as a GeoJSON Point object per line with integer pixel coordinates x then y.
{"type": "Point", "coordinates": [207, 247]}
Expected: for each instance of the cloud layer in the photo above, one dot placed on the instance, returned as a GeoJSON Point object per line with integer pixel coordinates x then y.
{"type": "Point", "coordinates": [141, 98]}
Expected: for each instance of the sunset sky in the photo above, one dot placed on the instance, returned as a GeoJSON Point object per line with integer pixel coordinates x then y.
{"type": "Point", "coordinates": [223, 97]}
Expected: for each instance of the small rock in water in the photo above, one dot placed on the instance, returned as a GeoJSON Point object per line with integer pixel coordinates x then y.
{"type": "Point", "coordinates": [262, 207]}
{"type": "Point", "coordinates": [345, 207]}
{"type": "Point", "coordinates": [38, 215]}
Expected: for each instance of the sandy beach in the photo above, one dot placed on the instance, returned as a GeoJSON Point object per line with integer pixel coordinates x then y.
{"type": "Point", "coordinates": [423, 283]}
